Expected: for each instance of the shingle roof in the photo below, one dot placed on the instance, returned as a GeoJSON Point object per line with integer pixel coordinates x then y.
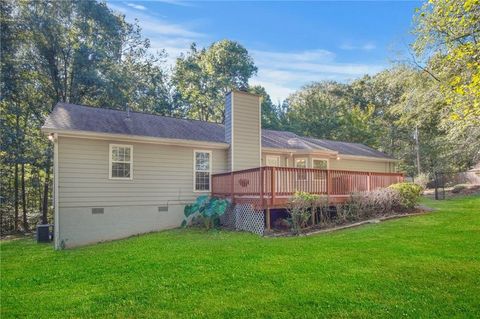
{"type": "Point", "coordinates": [102, 120]}
{"type": "Point", "coordinates": [85, 118]}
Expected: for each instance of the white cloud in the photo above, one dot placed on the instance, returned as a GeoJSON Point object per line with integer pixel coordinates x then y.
{"type": "Point", "coordinates": [136, 6]}
{"type": "Point", "coordinates": [364, 47]}
{"type": "Point", "coordinates": [177, 2]}
{"type": "Point", "coordinates": [281, 73]}
{"type": "Point", "coordinates": [174, 38]}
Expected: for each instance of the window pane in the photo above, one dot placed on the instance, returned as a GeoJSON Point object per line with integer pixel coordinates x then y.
{"type": "Point", "coordinates": [126, 170]}
{"type": "Point", "coordinates": [121, 153]}
{"type": "Point", "coordinates": [202, 181]}
{"type": "Point", "coordinates": [301, 163]}
{"type": "Point", "coordinates": [115, 153]}
{"type": "Point", "coordinates": [273, 161]}
{"type": "Point", "coordinates": [320, 164]}
{"type": "Point", "coordinates": [120, 169]}
{"type": "Point", "coordinates": [202, 161]}
{"type": "Point", "coordinates": [127, 154]}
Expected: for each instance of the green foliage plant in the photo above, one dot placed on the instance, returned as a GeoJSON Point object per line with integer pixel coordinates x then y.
{"type": "Point", "coordinates": [409, 194]}
{"type": "Point", "coordinates": [206, 207]}
{"type": "Point", "coordinates": [300, 207]}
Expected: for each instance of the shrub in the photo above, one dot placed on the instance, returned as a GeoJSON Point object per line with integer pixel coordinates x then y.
{"type": "Point", "coordinates": [209, 209]}
{"type": "Point", "coordinates": [422, 180]}
{"type": "Point", "coordinates": [409, 194]}
{"type": "Point", "coordinates": [458, 188]}
{"type": "Point", "coordinates": [364, 205]}
{"type": "Point", "coordinates": [301, 206]}
{"type": "Point", "coordinates": [282, 223]}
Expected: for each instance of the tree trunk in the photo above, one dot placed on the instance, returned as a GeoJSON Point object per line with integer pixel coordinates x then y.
{"type": "Point", "coordinates": [17, 152]}
{"type": "Point", "coordinates": [15, 186]}
{"type": "Point", "coordinates": [39, 190]}
{"type": "Point", "coordinates": [24, 200]}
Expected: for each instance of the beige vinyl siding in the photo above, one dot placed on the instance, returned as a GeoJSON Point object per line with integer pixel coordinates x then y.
{"type": "Point", "coordinates": [161, 174]}
{"type": "Point", "coordinates": [153, 200]}
{"type": "Point", "coordinates": [360, 165]}
{"type": "Point", "coordinates": [246, 131]}
{"type": "Point", "coordinates": [341, 164]}
{"type": "Point", "coordinates": [228, 128]}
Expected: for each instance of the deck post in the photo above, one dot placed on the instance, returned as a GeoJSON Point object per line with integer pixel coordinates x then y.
{"type": "Point", "coordinates": [329, 184]}
{"type": "Point", "coordinates": [268, 218]}
{"type": "Point", "coordinates": [232, 195]}
{"type": "Point", "coordinates": [272, 186]}
{"type": "Point", "coordinates": [261, 188]}
{"type": "Point", "coordinates": [313, 215]}
{"type": "Point", "coordinates": [368, 180]}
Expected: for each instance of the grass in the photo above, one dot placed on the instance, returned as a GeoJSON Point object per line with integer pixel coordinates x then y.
{"type": "Point", "coordinates": [416, 267]}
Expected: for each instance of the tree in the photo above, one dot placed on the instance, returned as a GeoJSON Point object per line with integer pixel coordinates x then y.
{"type": "Point", "coordinates": [64, 51]}
{"type": "Point", "coordinates": [448, 34]}
{"type": "Point", "coordinates": [270, 116]}
{"type": "Point", "coordinates": [203, 77]}
{"type": "Point", "coordinates": [316, 109]}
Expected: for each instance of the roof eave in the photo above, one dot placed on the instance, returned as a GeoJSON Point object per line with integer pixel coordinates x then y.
{"type": "Point", "coordinates": [299, 151]}
{"type": "Point", "coordinates": [330, 153]}
{"type": "Point", "coordinates": [134, 138]}
{"type": "Point", "coordinates": [369, 158]}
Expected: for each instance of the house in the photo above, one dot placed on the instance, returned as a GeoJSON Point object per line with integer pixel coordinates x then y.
{"type": "Point", "coordinates": [123, 173]}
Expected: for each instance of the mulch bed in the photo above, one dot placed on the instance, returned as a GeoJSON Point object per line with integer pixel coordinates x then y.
{"type": "Point", "coordinates": [314, 230]}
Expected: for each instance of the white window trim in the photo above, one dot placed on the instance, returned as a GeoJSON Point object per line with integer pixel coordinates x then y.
{"type": "Point", "coordinates": [321, 159]}
{"type": "Point", "coordinates": [277, 157]}
{"type": "Point", "coordinates": [209, 171]}
{"type": "Point", "coordinates": [298, 175]}
{"type": "Point", "coordinates": [110, 162]}
{"type": "Point", "coordinates": [301, 159]}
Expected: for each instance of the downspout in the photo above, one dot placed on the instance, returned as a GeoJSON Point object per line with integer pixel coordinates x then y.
{"type": "Point", "coordinates": [56, 221]}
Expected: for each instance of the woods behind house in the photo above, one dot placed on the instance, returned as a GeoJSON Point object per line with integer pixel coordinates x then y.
{"type": "Point", "coordinates": [424, 111]}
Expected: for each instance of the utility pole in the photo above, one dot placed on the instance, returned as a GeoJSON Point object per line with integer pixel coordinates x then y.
{"type": "Point", "coordinates": [417, 148]}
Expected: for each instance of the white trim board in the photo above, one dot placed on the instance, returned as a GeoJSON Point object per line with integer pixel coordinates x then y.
{"type": "Point", "coordinates": [209, 172]}
{"type": "Point", "coordinates": [137, 139]}
{"type": "Point", "coordinates": [56, 221]}
{"type": "Point", "coordinates": [110, 146]}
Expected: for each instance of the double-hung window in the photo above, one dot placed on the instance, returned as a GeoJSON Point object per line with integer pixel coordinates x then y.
{"type": "Point", "coordinates": [319, 163]}
{"type": "Point", "coordinates": [121, 161]}
{"type": "Point", "coordinates": [301, 163]}
{"type": "Point", "coordinates": [202, 170]}
{"type": "Point", "coordinates": [272, 160]}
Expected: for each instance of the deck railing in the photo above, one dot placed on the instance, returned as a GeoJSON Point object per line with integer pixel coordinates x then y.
{"type": "Point", "coordinates": [271, 186]}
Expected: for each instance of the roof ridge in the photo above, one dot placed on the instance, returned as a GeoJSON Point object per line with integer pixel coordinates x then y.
{"type": "Point", "coordinates": [137, 112]}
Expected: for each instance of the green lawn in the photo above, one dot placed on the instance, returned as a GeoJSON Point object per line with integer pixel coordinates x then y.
{"type": "Point", "coordinates": [417, 267]}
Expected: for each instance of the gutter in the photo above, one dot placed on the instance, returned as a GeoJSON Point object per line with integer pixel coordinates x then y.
{"type": "Point", "coordinates": [332, 154]}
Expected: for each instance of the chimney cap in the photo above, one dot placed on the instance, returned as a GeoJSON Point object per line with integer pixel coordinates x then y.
{"type": "Point", "coordinates": [243, 92]}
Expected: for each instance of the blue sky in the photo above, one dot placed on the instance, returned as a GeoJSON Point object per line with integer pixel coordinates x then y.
{"type": "Point", "coordinates": [292, 43]}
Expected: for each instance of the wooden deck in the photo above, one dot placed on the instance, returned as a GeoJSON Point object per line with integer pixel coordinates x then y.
{"type": "Point", "coordinates": [271, 187]}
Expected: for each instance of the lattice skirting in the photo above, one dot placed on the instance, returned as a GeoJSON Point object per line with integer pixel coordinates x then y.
{"type": "Point", "coordinates": [244, 217]}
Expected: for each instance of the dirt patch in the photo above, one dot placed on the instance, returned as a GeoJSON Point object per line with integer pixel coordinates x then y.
{"type": "Point", "coordinates": [450, 192]}
{"type": "Point", "coordinates": [16, 236]}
